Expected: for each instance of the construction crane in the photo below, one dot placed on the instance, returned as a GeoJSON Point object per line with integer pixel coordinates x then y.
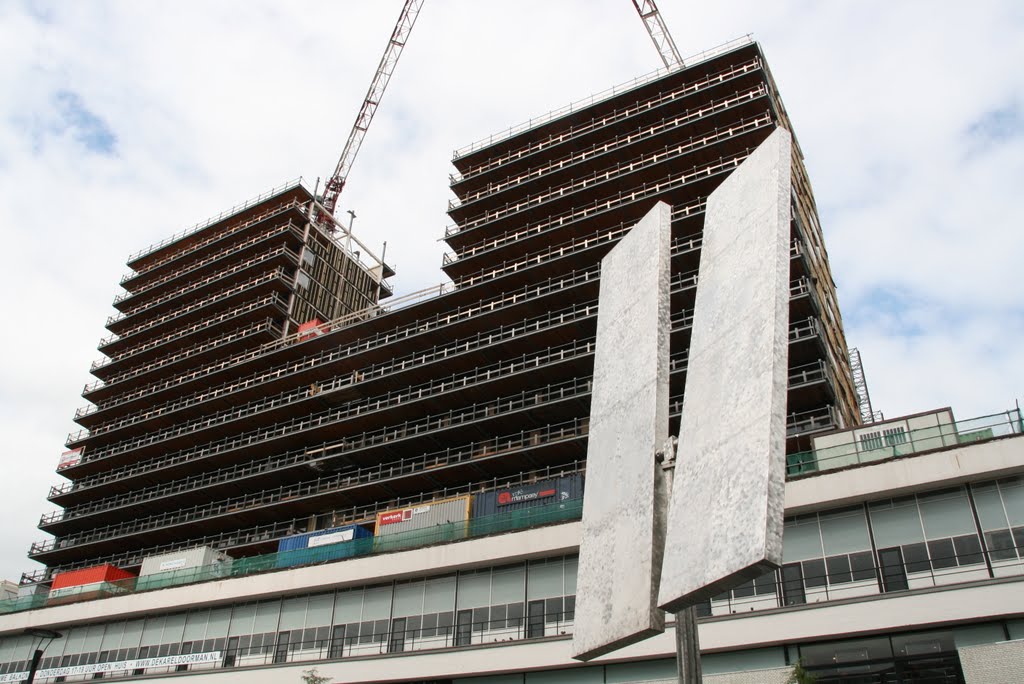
{"type": "Point", "coordinates": [647, 10]}
{"type": "Point", "coordinates": [392, 52]}
{"type": "Point", "coordinates": [663, 42]}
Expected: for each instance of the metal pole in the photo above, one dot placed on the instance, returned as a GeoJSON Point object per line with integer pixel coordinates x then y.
{"type": "Point", "coordinates": [688, 647]}
{"type": "Point", "coordinates": [687, 639]}
{"type": "Point", "coordinates": [36, 657]}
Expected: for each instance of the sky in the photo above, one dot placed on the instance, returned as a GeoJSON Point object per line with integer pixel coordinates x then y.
{"type": "Point", "coordinates": [124, 122]}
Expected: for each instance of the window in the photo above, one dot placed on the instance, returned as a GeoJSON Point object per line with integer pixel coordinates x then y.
{"type": "Point", "coordinates": [535, 619]}
{"type": "Point", "coordinates": [281, 651]}
{"type": "Point", "coordinates": [838, 569]}
{"type": "Point", "coordinates": [894, 576]}
{"type": "Point", "coordinates": [337, 643]}
{"type": "Point", "coordinates": [397, 642]}
{"type": "Point", "coordinates": [793, 585]}
{"type": "Point", "coordinates": [464, 628]}
{"type": "Point", "coordinates": [942, 553]}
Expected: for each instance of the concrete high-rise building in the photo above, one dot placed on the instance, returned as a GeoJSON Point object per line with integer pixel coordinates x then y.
{"type": "Point", "coordinates": [279, 467]}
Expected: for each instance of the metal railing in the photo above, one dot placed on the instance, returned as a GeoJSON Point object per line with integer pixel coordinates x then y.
{"type": "Point", "coordinates": [296, 182]}
{"type": "Point", "coordinates": [665, 125]}
{"type": "Point", "coordinates": [270, 532]}
{"type": "Point", "coordinates": [228, 251]}
{"type": "Point", "coordinates": [353, 408]}
{"type": "Point", "coordinates": [853, 451]}
{"type": "Point", "coordinates": [193, 285]}
{"type": "Point", "coordinates": [209, 300]}
{"type": "Point", "coordinates": [616, 172]}
{"type": "Point", "coordinates": [618, 90]}
{"type": "Point", "coordinates": [678, 363]}
{"type": "Point", "coordinates": [273, 299]}
{"type": "Point", "coordinates": [723, 164]}
{"type": "Point", "coordinates": [869, 580]}
{"type": "Point", "coordinates": [352, 476]}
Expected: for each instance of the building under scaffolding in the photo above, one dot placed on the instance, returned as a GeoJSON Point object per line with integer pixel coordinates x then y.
{"type": "Point", "coordinates": [264, 402]}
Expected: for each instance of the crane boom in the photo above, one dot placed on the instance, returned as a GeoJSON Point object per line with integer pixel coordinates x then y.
{"type": "Point", "coordinates": [392, 52]}
{"type": "Point", "coordinates": [663, 42]}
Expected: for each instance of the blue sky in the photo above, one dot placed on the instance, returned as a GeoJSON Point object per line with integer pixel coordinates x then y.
{"type": "Point", "coordinates": [121, 123]}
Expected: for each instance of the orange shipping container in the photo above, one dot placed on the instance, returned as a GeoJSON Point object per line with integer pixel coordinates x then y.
{"type": "Point", "coordinates": [99, 573]}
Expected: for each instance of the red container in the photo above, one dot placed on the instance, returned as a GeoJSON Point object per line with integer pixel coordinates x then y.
{"type": "Point", "coordinates": [99, 573]}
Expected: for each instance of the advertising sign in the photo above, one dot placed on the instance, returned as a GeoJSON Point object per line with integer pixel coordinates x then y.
{"type": "Point", "coordinates": [69, 458]}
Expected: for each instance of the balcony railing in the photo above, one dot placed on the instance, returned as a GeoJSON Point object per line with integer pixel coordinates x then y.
{"type": "Point", "coordinates": [209, 300]}
{"type": "Point", "coordinates": [269, 533]}
{"type": "Point", "coordinates": [192, 285]}
{"type": "Point", "coordinates": [353, 476]}
{"type": "Point", "coordinates": [268, 300]}
{"type": "Point", "coordinates": [227, 251]}
{"type": "Point", "coordinates": [485, 306]}
{"type": "Point", "coordinates": [647, 132]}
{"type": "Point", "coordinates": [533, 397]}
{"type": "Point", "coordinates": [361, 375]}
{"type": "Point", "coordinates": [212, 220]}
{"type": "Point", "coordinates": [853, 451]}
{"type": "Point", "coordinates": [177, 335]}
{"type": "Point", "coordinates": [350, 409]}
{"type": "Point", "coordinates": [723, 164]}
{"type": "Point", "coordinates": [619, 114]}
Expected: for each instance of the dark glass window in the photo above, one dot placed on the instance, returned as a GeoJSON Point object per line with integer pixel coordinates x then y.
{"type": "Point", "coordinates": [498, 616]}
{"type": "Point", "coordinates": [941, 551]}
{"type": "Point", "coordinates": [445, 622]}
{"type": "Point", "coordinates": [916, 557]}
{"type": "Point", "coordinates": [464, 628]}
{"type": "Point", "coordinates": [535, 619]}
{"type": "Point", "coordinates": [429, 625]}
{"type": "Point", "coordinates": [1001, 545]}
{"type": "Point", "coordinates": [838, 569]}
{"type": "Point", "coordinates": [515, 615]}
{"type": "Point", "coordinates": [380, 631]}
{"type": "Point", "coordinates": [366, 633]}
{"type": "Point", "coordinates": [862, 565]}
{"type": "Point", "coordinates": [480, 619]}
{"type": "Point", "coordinates": [570, 607]}
{"type": "Point", "coordinates": [894, 574]}
{"type": "Point", "coordinates": [968, 549]}
{"type": "Point", "coordinates": [553, 610]}
{"type": "Point", "coordinates": [765, 584]}
{"type": "Point", "coordinates": [744, 590]}
{"type": "Point", "coordinates": [793, 585]}
{"type": "Point", "coordinates": [337, 649]}
{"type": "Point", "coordinates": [397, 643]}
{"type": "Point", "coordinates": [1018, 539]}
{"type": "Point", "coordinates": [281, 652]}
{"type": "Point", "coordinates": [814, 572]}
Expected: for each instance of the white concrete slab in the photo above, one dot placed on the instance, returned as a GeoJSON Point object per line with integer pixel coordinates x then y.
{"type": "Point", "coordinates": [725, 517]}
{"type": "Point", "coordinates": [622, 540]}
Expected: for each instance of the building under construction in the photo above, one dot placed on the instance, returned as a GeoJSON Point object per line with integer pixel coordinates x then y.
{"type": "Point", "coordinates": [218, 420]}
{"type": "Point", "coordinates": [260, 391]}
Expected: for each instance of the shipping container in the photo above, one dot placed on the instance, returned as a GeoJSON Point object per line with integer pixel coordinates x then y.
{"type": "Point", "coordinates": [428, 523]}
{"type": "Point", "coordinates": [98, 573]}
{"type": "Point", "coordinates": [90, 583]}
{"type": "Point", "coordinates": [527, 505]}
{"type": "Point", "coordinates": [199, 556]}
{"type": "Point", "coordinates": [320, 546]}
{"type": "Point", "coordinates": [554, 490]}
{"type": "Point", "coordinates": [183, 567]}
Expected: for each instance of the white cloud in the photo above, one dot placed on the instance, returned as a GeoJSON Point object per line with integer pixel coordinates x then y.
{"type": "Point", "coordinates": [212, 103]}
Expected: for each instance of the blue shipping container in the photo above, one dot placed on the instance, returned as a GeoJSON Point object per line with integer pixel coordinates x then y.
{"type": "Point", "coordinates": [319, 546]}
